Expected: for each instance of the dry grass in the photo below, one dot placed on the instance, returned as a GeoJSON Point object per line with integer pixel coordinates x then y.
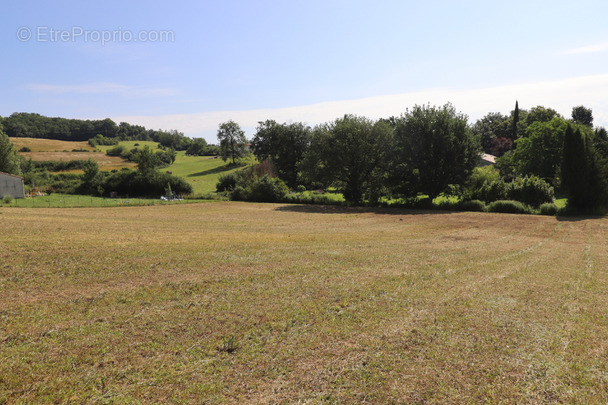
{"type": "Point", "coordinates": [52, 149]}
{"type": "Point", "coordinates": [262, 303]}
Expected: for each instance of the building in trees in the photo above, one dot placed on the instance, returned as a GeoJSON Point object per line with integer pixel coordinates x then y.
{"type": "Point", "coordinates": [11, 185]}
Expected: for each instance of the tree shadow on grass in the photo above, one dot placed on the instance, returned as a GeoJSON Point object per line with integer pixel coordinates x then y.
{"type": "Point", "coordinates": [340, 209]}
{"type": "Point", "coordinates": [576, 218]}
{"type": "Point", "coordinates": [219, 169]}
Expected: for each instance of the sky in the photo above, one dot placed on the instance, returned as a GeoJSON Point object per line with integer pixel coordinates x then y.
{"type": "Point", "coordinates": [191, 65]}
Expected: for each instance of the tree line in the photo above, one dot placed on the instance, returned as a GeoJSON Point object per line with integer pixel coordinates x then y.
{"type": "Point", "coordinates": [432, 151]}
{"type": "Point", "coordinates": [99, 132]}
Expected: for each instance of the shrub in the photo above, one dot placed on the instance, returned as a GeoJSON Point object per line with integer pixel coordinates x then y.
{"type": "Point", "coordinates": [226, 182]}
{"type": "Point", "coordinates": [7, 199]}
{"type": "Point", "coordinates": [493, 191]}
{"type": "Point", "coordinates": [118, 150]}
{"type": "Point", "coordinates": [548, 209]}
{"type": "Point", "coordinates": [530, 190]}
{"type": "Point", "coordinates": [481, 175]}
{"type": "Point", "coordinates": [268, 189]}
{"type": "Point", "coordinates": [313, 198]}
{"type": "Point", "coordinates": [59, 165]}
{"type": "Point", "coordinates": [133, 183]}
{"type": "Point", "coordinates": [472, 205]}
{"type": "Point", "coordinates": [25, 149]}
{"type": "Point", "coordinates": [508, 207]}
{"type": "Point", "coordinates": [239, 193]}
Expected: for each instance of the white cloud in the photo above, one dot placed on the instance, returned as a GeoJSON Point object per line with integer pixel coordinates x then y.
{"type": "Point", "coordinates": [587, 49]}
{"type": "Point", "coordinates": [561, 95]}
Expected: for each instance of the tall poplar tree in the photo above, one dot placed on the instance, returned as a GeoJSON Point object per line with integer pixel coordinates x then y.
{"type": "Point", "coordinates": [575, 169]}
{"type": "Point", "coordinates": [515, 121]}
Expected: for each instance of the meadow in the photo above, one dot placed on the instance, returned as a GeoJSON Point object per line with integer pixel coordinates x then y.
{"type": "Point", "coordinates": [201, 172]}
{"type": "Point", "coordinates": [266, 303]}
{"type": "Point", "coordinates": [52, 149]}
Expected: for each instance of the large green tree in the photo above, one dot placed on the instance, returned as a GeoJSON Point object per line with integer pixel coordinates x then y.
{"type": "Point", "coordinates": [539, 152]}
{"type": "Point", "coordinates": [348, 153]}
{"type": "Point", "coordinates": [582, 116]}
{"type": "Point", "coordinates": [233, 144]}
{"type": "Point", "coordinates": [540, 114]}
{"type": "Point", "coordinates": [9, 159]}
{"type": "Point", "coordinates": [434, 147]}
{"type": "Point", "coordinates": [283, 145]}
{"type": "Point", "coordinates": [491, 127]}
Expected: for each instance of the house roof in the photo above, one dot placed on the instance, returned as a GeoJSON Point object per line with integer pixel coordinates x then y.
{"type": "Point", "coordinates": [12, 175]}
{"type": "Point", "coordinates": [489, 159]}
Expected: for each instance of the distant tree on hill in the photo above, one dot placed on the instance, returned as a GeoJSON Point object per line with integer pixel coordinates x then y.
{"type": "Point", "coordinates": [582, 116]}
{"type": "Point", "coordinates": [233, 144]}
{"type": "Point", "coordinates": [541, 114]}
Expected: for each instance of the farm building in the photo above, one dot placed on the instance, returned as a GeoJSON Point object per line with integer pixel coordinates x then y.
{"type": "Point", "coordinates": [11, 185]}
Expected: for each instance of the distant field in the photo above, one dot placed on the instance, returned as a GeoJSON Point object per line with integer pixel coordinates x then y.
{"type": "Point", "coordinates": [50, 149]}
{"type": "Point", "coordinates": [201, 172]}
{"type": "Point", "coordinates": [265, 303]}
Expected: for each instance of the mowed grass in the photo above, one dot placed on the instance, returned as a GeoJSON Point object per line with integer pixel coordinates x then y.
{"type": "Point", "coordinates": [202, 172]}
{"type": "Point", "coordinates": [85, 201]}
{"type": "Point", "coordinates": [262, 303]}
{"type": "Point", "coordinates": [52, 149]}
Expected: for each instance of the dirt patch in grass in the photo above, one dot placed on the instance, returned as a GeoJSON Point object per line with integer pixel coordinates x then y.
{"type": "Point", "coordinates": [263, 303]}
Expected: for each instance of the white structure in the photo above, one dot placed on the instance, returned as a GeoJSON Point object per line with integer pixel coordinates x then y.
{"type": "Point", "coordinates": [487, 160]}
{"type": "Point", "coordinates": [11, 185]}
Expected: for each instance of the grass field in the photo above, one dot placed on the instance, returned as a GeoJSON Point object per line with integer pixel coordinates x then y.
{"type": "Point", "coordinates": [201, 172]}
{"type": "Point", "coordinates": [86, 201]}
{"type": "Point", "coordinates": [51, 149]}
{"type": "Point", "coordinates": [262, 303]}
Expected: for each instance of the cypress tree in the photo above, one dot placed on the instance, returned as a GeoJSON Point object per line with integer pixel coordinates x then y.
{"type": "Point", "coordinates": [575, 170]}
{"type": "Point", "coordinates": [515, 121]}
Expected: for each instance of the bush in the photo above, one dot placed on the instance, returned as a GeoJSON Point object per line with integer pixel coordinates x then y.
{"type": "Point", "coordinates": [530, 190]}
{"type": "Point", "coordinates": [118, 150]}
{"type": "Point", "coordinates": [133, 183]}
{"type": "Point", "coordinates": [227, 182]}
{"type": "Point", "coordinates": [268, 189]}
{"type": "Point", "coordinates": [508, 207]}
{"type": "Point", "coordinates": [25, 149]}
{"type": "Point", "coordinates": [472, 205]}
{"type": "Point", "coordinates": [492, 191]}
{"type": "Point", "coordinates": [548, 209]}
{"type": "Point", "coordinates": [58, 165]}
{"type": "Point", "coordinates": [313, 198]}
{"type": "Point", "coordinates": [7, 199]}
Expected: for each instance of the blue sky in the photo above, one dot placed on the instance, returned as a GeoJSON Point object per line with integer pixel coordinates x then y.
{"type": "Point", "coordinates": [200, 63]}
